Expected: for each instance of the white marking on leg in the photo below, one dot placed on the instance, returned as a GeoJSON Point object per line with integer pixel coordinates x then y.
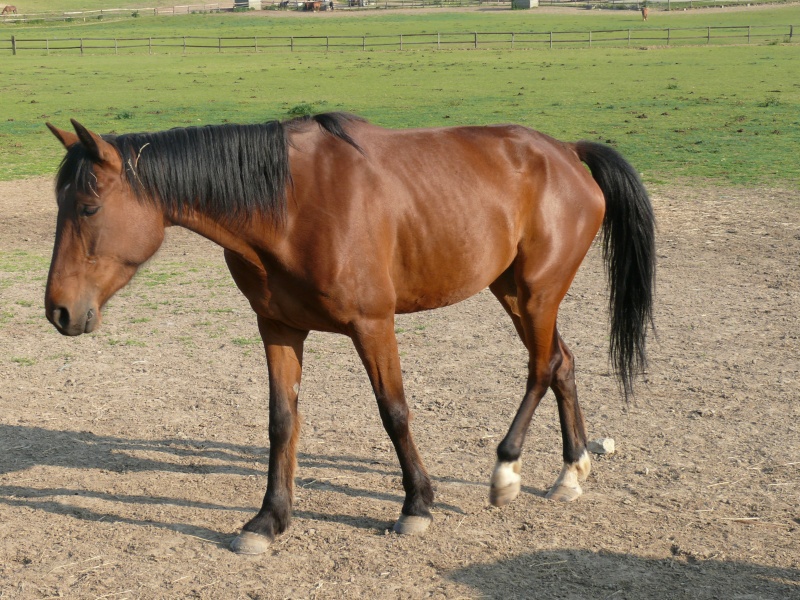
{"type": "Point", "coordinates": [584, 466]}
{"type": "Point", "coordinates": [567, 487]}
{"type": "Point", "coordinates": [505, 483]}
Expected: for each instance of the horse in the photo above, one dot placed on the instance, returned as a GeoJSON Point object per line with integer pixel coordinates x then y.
{"type": "Point", "coordinates": [645, 12]}
{"type": "Point", "coordinates": [9, 10]}
{"type": "Point", "coordinates": [331, 223]}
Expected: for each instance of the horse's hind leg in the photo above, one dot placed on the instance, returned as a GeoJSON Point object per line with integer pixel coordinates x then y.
{"type": "Point", "coordinates": [573, 431]}
{"type": "Point", "coordinates": [376, 344]}
{"type": "Point", "coordinates": [506, 479]}
{"type": "Point", "coordinates": [284, 349]}
{"type": "Point", "coordinates": [533, 309]}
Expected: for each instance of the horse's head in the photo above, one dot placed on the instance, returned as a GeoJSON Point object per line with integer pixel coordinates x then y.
{"type": "Point", "coordinates": [103, 232]}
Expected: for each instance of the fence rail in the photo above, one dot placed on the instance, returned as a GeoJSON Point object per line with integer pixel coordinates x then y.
{"type": "Point", "coordinates": [523, 39]}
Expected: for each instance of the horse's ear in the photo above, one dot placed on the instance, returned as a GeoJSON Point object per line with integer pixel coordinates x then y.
{"type": "Point", "coordinates": [99, 149]}
{"type": "Point", "coordinates": [67, 138]}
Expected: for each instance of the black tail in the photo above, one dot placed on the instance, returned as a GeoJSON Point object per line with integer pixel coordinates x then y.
{"type": "Point", "coordinates": [629, 251]}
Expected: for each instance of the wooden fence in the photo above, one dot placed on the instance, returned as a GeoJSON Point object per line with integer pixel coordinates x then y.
{"type": "Point", "coordinates": [542, 39]}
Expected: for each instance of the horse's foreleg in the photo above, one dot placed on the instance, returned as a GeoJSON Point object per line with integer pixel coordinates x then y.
{"type": "Point", "coordinates": [573, 431]}
{"type": "Point", "coordinates": [284, 349]}
{"type": "Point", "coordinates": [376, 344]}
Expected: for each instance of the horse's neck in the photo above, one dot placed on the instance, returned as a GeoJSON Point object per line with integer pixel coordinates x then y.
{"type": "Point", "coordinates": [242, 236]}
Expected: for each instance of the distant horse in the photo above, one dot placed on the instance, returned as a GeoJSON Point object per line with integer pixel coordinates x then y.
{"type": "Point", "coordinates": [332, 224]}
{"type": "Point", "coordinates": [9, 10]}
{"type": "Point", "coordinates": [645, 12]}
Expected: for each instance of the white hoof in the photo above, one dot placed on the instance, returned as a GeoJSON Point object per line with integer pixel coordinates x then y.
{"type": "Point", "coordinates": [411, 525]}
{"type": "Point", "coordinates": [506, 483]}
{"type": "Point", "coordinates": [248, 542]}
{"type": "Point", "coordinates": [562, 493]}
{"type": "Point", "coordinates": [567, 487]}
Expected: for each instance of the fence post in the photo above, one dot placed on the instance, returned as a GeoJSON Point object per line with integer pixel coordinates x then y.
{"type": "Point", "coordinates": [476, 39]}
{"type": "Point", "coordinates": [363, 42]}
{"type": "Point", "coordinates": [629, 37]}
{"type": "Point", "coordinates": [708, 36]}
{"type": "Point", "coordinates": [81, 46]}
{"type": "Point", "coordinates": [219, 44]}
{"type": "Point", "coordinates": [512, 41]}
{"type": "Point", "coordinates": [439, 40]}
{"type": "Point", "coordinates": [401, 41]}
{"type": "Point", "coordinates": [116, 51]}
{"type": "Point", "coordinates": [327, 43]}
{"type": "Point", "coordinates": [149, 45]}
{"type": "Point", "coordinates": [748, 34]}
{"type": "Point", "coordinates": [184, 44]}
{"type": "Point", "coordinates": [791, 32]}
{"type": "Point", "coordinates": [13, 45]}
{"type": "Point", "coordinates": [255, 43]}
{"type": "Point", "coordinates": [669, 34]}
{"type": "Point", "coordinates": [590, 38]}
{"type": "Point", "coordinates": [551, 40]}
{"type": "Point", "coordinates": [291, 43]}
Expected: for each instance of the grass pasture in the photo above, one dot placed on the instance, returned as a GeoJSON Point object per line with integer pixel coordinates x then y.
{"type": "Point", "coordinates": [727, 113]}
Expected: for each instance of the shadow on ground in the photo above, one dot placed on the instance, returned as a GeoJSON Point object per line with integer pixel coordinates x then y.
{"type": "Point", "coordinates": [23, 447]}
{"type": "Point", "coordinates": [581, 574]}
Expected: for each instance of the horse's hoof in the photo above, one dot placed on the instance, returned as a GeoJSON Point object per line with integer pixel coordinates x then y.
{"type": "Point", "coordinates": [506, 483]}
{"type": "Point", "coordinates": [411, 525]}
{"type": "Point", "coordinates": [502, 496]}
{"type": "Point", "coordinates": [248, 542]}
{"type": "Point", "coordinates": [562, 493]}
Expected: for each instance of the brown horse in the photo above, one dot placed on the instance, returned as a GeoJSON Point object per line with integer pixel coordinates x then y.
{"type": "Point", "coordinates": [645, 12]}
{"type": "Point", "coordinates": [9, 10]}
{"type": "Point", "coordinates": [332, 224]}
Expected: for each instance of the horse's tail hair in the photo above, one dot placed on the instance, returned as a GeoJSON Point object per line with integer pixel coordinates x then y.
{"type": "Point", "coordinates": [629, 253]}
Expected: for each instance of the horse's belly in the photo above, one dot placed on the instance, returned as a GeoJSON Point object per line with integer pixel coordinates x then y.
{"type": "Point", "coordinates": [442, 279]}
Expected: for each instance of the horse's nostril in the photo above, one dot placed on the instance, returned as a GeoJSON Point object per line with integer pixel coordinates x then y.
{"type": "Point", "coordinates": [61, 317]}
{"type": "Point", "coordinates": [90, 314]}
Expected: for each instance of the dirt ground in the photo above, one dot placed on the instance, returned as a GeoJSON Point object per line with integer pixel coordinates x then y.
{"type": "Point", "coordinates": [130, 457]}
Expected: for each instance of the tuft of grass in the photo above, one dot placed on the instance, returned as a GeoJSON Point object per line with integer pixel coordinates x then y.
{"type": "Point", "coordinates": [23, 361]}
{"type": "Point", "coordinates": [19, 261]}
{"type": "Point", "coordinates": [241, 341]}
{"type": "Point", "coordinates": [301, 110]}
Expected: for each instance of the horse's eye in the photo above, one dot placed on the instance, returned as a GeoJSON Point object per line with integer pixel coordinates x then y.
{"type": "Point", "coordinates": [88, 211]}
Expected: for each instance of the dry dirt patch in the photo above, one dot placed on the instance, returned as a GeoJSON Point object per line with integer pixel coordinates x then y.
{"type": "Point", "coordinates": [130, 457]}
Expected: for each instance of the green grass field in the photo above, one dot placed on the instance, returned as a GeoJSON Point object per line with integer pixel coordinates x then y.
{"type": "Point", "coordinates": [727, 113]}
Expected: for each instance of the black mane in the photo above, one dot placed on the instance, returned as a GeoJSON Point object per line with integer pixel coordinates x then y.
{"type": "Point", "coordinates": [224, 171]}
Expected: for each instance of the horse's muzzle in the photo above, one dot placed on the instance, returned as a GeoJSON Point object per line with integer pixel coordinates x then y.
{"type": "Point", "coordinates": [73, 324]}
